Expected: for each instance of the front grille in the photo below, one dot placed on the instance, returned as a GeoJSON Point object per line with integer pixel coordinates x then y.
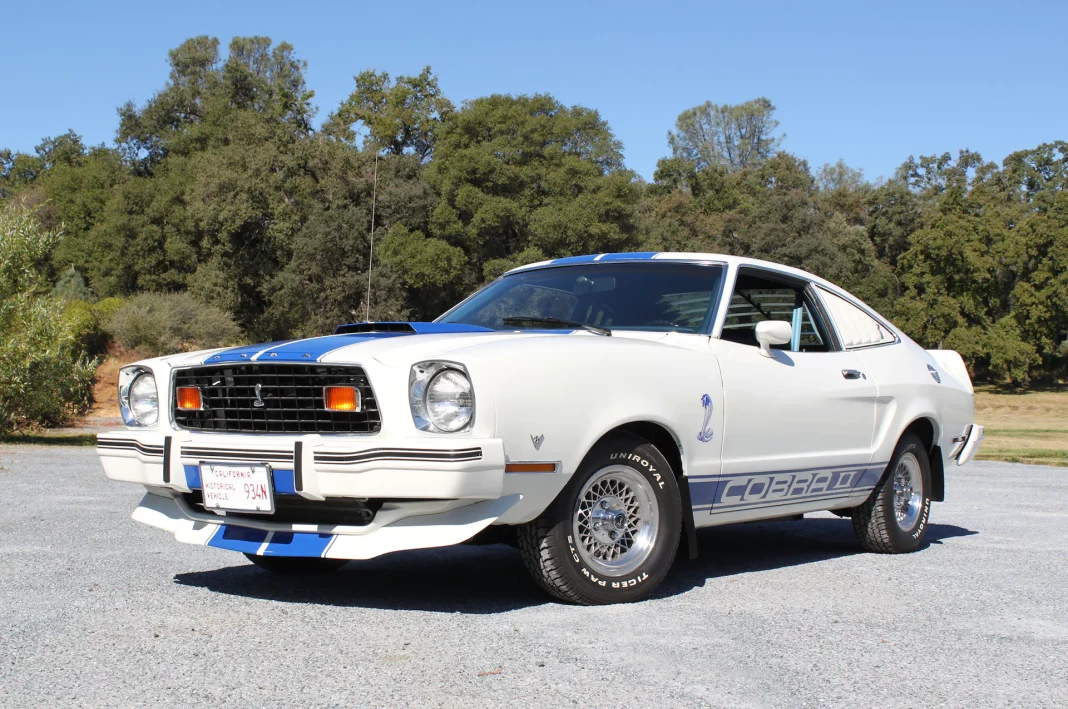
{"type": "Point", "coordinates": [293, 509]}
{"type": "Point", "coordinates": [291, 396]}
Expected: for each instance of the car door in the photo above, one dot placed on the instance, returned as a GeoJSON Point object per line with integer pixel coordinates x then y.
{"type": "Point", "coordinates": [798, 426]}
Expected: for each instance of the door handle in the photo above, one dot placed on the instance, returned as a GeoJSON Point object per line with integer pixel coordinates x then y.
{"type": "Point", "coordinates": [853, 374]}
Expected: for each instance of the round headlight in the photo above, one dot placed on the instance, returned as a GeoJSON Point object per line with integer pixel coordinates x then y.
{"type": "Point", "coordinates": [449, 401]}
{"type": "Point", "coordinates": [144, 402]}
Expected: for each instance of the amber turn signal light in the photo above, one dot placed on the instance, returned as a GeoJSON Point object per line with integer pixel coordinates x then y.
{"type": "Point", "coordinates": [530, 467]}
{"type": "Point", "coordinates": [188, 398]}
{"type": "Point", "coordinates": [341, 398]}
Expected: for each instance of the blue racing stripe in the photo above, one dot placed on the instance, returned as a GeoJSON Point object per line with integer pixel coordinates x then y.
{"type": "Point", "coordinates": [283, 482]}
{"type": "Point", "coordinates": [632, 256]}
{"type": "Point", "coordinates": [313, 350]}
{"type": "Point", "coordinates": [240, 539]}
{"type": "Point", "coordinates": [298, 544]}
{"type": "Point", "coordinates": [749, 474]}
{"type": "Point", "coordinates": [871, 476]}
{"type": "Point", "coordinates": [574, 259]}
{"type": "Point", "coordinates": [192, 477]}
{"type": "Point", "coordinates": [445, 328]}
{"type": "Point", "coordinates": [241, 354]}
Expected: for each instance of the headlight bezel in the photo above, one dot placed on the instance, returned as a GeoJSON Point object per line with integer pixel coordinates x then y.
{"type": "Point", "coordinates": [128, 377]}
{"type": "Point", "coordinates": [420, 379]}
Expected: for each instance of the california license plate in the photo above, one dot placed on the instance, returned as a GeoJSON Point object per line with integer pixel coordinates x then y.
{"type": "Point", "coordinates": [237, 488]}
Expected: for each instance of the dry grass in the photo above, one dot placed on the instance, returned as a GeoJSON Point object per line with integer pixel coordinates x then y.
{"type": "Point", "coordinates": [1029, 427]}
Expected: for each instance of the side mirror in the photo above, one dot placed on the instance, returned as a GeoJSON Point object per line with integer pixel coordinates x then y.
{"type": "Point", "coordinates": [773, 332]}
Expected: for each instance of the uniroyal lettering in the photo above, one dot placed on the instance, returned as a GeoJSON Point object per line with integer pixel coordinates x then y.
{"type": "Point", "coordinates": [635, 458]}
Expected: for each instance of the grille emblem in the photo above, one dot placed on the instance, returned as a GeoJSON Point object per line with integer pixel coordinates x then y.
{"type": "Point", "coordinates": [259, 403]}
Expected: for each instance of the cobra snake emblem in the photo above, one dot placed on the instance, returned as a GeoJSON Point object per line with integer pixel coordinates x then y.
{"type": "Point", "coordinates": [706, 433]}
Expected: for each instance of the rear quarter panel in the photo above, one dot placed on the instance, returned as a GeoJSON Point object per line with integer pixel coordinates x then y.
{"type": "Point", "coordinates": [907, 391]}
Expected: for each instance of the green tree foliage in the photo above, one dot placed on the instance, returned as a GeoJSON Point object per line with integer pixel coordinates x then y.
{"type": "Point", "coordinates": [984, 272]}
{"type": "Point", "coordinates": [223, 201]}
{"type": "Point", "coordinates": [515, 174]}
{"type": "Point", "coordinates": [734, 137]}
{"type": "Point", "coordinates": [44, 376]}
{"type": "Point", "coordinates": [402, 117]}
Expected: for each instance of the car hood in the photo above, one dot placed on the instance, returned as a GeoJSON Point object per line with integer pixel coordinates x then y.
{"type": "Point", "coordinates": [392, 344]}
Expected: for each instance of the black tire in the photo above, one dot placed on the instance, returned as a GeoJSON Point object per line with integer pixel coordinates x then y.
{"type": "Point", "coordinates": [554, 551]}
{"type": "Point", "coordinates": [876, 522]}
{"type": "Point", "coordinates": [296, 565]}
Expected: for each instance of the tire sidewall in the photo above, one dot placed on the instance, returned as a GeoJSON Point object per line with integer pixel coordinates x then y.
{"type": "Point", "coordinates": [647, 461]}
{"type": "Point", "coordinates": [910, 539]}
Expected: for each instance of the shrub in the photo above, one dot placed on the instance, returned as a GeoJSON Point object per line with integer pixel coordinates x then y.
{"type": "Point", "coordinates": [162, 323]}
{"type": "Point", "coordinates": [104, 309]}
{"type": "Point", "coordinates": [45, 377]}
{"type": "Point", "coordinates": [84, 324]}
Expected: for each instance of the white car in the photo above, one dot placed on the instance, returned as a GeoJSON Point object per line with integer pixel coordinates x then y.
{"type": "Point", "coordinates": [598, 407]}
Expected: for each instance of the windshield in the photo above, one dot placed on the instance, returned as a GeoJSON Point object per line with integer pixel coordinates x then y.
{"type": "Point", "coordinates": [658, 296]}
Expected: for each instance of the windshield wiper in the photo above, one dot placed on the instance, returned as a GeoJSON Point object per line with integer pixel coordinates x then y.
{"type": "Point", "coordinates": [556, 322]}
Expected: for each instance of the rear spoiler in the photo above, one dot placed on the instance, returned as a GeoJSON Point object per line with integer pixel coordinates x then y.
{"type": "Point", "coordinates": [951, 363]}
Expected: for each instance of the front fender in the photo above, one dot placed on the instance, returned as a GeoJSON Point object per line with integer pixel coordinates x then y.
{"type": "Point", "coordinates": [556, 400]}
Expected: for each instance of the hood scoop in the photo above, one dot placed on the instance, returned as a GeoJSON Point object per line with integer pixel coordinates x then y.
{"type": "Point", "coordinates": [410, 328]}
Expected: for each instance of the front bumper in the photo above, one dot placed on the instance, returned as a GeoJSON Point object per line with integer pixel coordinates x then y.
{"type": "Point", "coordinates": [314, 466]}
{"type": "Point", "coordinates": [434, 492]}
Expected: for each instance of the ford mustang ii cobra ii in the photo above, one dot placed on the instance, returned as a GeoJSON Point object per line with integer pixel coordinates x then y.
{"type": "Point", "coordinates": [603, 407]}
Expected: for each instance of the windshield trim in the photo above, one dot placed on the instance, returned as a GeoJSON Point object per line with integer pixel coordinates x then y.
{"type": "Point", "coordinates": [706, 326]}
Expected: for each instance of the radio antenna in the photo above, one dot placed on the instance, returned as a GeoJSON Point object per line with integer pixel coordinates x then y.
{"type": "Point", "coordinates": [371, 252]}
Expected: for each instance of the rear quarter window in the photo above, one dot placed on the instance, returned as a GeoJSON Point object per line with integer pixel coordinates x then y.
{"type": "Point", "coordinates": [855, 327]}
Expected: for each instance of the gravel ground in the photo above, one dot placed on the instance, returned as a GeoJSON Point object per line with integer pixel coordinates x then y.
{"type": "Point", "coordinates": [97, 610]}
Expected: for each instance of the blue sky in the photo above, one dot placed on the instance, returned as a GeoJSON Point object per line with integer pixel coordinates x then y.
{"type": "Point", "coordinates": [868, 83]}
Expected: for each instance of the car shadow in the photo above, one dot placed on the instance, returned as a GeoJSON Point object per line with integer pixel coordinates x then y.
{"type": "Point", "coordinates": [461, 579]}
{"type": "Point", "coordinates": [761, 546]}
{"type": "Point", "coordinates": [492, 579]}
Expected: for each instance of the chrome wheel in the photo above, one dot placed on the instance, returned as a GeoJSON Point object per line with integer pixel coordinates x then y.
{"type": "Point", "coordinates": [908, 491]}
{"type": "Point", "coordinates": [616, 519]}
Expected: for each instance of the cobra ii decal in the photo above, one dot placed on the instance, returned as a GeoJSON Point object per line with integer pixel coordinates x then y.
{"type": "Point", "coordinates": [706, 433]}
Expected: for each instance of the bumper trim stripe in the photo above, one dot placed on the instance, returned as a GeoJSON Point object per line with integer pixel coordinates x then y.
{"type": "Point", "coordinates": [130, 444]}
{"type": "Point", "coordinates": [375, 454]}
{"type": "Point", "coordinates": [276, 456]}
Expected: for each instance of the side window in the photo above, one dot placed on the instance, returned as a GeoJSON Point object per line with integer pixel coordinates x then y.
{"type": "Point", "coordinates": [756, 299]}
{"type": "Point", "coordinates": [856, 328]}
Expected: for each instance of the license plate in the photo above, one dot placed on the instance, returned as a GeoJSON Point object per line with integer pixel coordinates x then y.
{"type": "Point", "coordinates": [238, 488]}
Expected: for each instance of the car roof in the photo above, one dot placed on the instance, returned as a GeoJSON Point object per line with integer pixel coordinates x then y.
{"type": "Point", "coordinates": [736, 261]}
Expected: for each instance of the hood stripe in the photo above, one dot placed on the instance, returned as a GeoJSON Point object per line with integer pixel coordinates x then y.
{"type": "Point", "coordinates": [314, 349]}
{"type": "Point", "coordinates": [241, 354]}
{"type": "Point", "coordinates": [311, 350]}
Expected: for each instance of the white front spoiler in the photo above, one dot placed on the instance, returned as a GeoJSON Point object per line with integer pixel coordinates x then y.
{"type": "Point", "coordinates": [418, 532]}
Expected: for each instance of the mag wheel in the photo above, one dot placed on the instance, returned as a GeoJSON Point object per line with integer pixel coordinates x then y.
{"type": "Point", "coordinates": [893, 520]}
{"type": "Point", "coordinates": [296, 565]}
{"type": "Point", "coordinates": [612, 534]}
